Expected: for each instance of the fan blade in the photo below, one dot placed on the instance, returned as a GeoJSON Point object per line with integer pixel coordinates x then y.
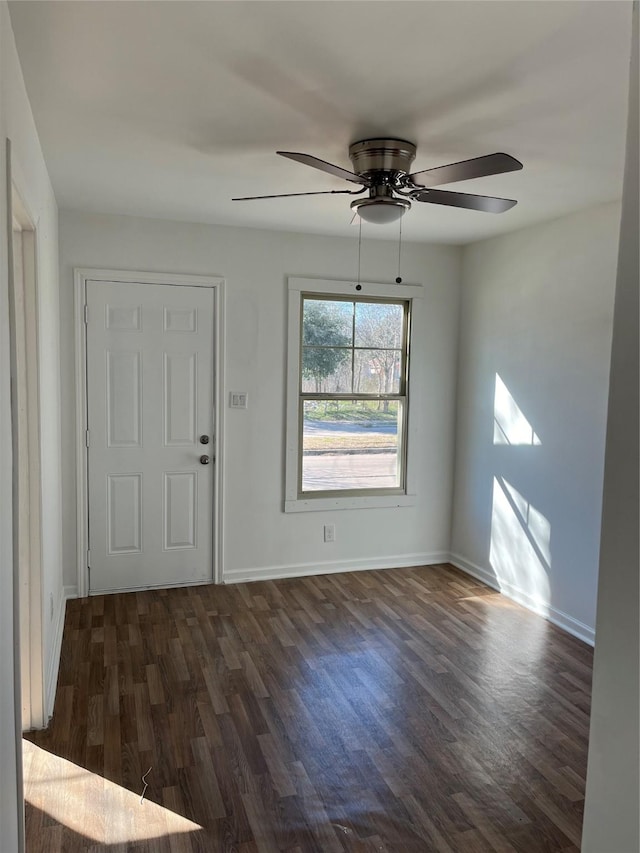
{"type": "Point", "coordinates": [316, 163]}
{"type": "Point", "coordinates": [478, 167]}
{"type": "Point", "coordinates": [487, 203]}
{"type": "Point", "coordinates": [288, 195]}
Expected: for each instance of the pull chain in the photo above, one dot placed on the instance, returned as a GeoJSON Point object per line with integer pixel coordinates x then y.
{"type": "Point", "coordinates": [399, 277]}
{"type": "Point", "coordinates": [358, 285]}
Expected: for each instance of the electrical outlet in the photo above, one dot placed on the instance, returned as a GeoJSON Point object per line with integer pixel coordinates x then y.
{"type": "Point", "coordinates": [329, 533]}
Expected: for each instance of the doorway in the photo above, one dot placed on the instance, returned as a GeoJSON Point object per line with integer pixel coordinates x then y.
{"type": "Point", "coordinates": [151, 455]}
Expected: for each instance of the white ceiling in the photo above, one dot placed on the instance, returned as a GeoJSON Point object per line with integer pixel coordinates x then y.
{"type": "Point", "coordinates": [168, 109]}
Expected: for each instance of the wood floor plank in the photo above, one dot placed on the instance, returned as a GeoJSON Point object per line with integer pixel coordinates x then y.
{"type": "Point", "coordinates": [408, 710]}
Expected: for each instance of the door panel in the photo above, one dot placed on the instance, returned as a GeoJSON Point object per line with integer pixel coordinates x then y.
{"type": "Point", "coordinates": [180, 399]}
{"type": "Point", "coordinates": [124, 513]}
{"type": "Point", "coordinates": [124, 400]}
{"type": "Point", "coordinates": [149, 398]}
{"type": "Point", "coordinates": [180, 510]}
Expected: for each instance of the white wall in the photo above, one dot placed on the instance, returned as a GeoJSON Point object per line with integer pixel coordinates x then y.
{"type": "Point", "coordinates": [612, 803]}
{"type": "Point", "coordinates": [259, 538]}
{"type": "Point", "coordinates": [32, 180]}
{"type": "Point", "coordinates": [536, 311]}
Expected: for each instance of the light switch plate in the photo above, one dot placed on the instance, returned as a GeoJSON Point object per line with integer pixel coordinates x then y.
{"type": "Point", "coordinates": [238, 399]}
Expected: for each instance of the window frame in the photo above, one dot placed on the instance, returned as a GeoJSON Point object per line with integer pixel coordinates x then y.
{"type": "Point", "coordinates": [295, 501]}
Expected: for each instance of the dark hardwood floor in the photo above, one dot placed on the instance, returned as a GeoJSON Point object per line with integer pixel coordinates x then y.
{"type": "Point", "coordinates": [402, 710]}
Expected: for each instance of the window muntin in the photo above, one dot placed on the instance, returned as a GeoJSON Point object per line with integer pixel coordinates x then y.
{"type": "Point", "coordinates": [352, 395]}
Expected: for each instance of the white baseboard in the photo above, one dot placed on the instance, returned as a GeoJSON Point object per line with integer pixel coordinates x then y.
{"type": "Point", "coordinates": [300, 570]}
{"type": "Point", "coordinates": [53, 664]}
{"type": "Point", "coordinates": [556, 617]}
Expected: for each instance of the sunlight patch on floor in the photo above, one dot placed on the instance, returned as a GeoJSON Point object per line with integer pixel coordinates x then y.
{"type": "Point", "coordinates": [92, 806]}
{"type": "Point", "coordinates": [496, 600]}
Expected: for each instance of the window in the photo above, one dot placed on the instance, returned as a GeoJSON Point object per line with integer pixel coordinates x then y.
{"type": "Point", "coordinates": [348, 394]}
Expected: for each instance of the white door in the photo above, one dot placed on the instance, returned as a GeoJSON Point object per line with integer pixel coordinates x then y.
{"type": "Point", "coordinates": [149, 410]}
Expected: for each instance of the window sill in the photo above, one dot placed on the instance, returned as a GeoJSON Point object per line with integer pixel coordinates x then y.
{"type": "Point", "coordinates": [324, 504]}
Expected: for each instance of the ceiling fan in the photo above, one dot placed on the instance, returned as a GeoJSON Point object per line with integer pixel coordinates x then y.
{"type": "Point", "coordinates": [381, 166]}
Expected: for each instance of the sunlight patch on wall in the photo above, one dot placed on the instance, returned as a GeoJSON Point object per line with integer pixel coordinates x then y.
{"type": "Point", "coordinates": [94, 807]}
{"type": "Point", "coordinates": [509, 424]}
{"type": "Point", "coordinates": [520, 551]}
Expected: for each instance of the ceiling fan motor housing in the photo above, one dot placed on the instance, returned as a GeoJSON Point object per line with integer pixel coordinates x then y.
{"type": "Point", "coordinates": [371, 157]}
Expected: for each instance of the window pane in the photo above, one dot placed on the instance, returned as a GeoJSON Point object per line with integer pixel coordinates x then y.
{"type": "Point", "coordinates": [327, 323]}
{"type": "Point", "coordinates": [376, 371]}
{"type": "Point", "coordinates": [379, 324]}
{"type": "Point", "coordinates": [347, 444]}
{"type": "Point", "coordinates": [326, 370]}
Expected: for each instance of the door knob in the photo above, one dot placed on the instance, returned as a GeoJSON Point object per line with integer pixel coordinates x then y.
{"type": "Point", "coordinates": [204, 460]}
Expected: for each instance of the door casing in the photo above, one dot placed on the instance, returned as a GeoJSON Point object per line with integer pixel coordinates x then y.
{"type": "Point", "coordinates": [81, 277]}
{"type": "Point", "coordinates": [23, 287]}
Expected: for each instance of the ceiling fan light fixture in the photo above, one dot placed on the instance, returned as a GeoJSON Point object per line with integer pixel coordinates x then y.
{"type": "Point", "coordinates": [382, 210]}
